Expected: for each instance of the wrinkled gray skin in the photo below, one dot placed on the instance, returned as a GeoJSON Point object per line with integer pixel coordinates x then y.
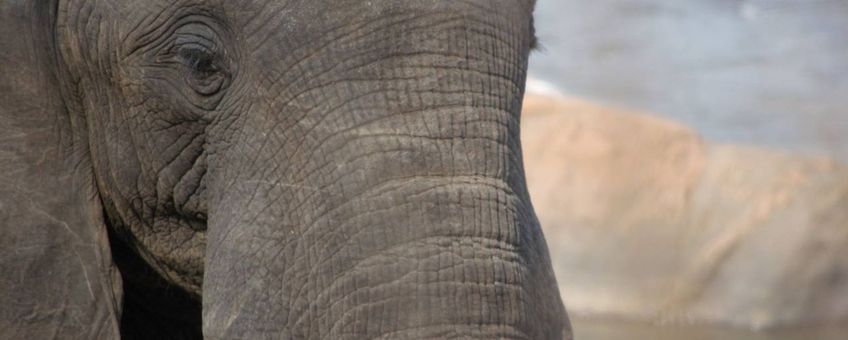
{"type": "Point", "coordinates": [297, 169]}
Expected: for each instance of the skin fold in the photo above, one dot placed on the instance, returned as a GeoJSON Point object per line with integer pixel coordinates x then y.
{"type": "Point", "coordinates": [269, 169]}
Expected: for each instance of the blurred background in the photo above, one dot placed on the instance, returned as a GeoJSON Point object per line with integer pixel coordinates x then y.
{"type": "Point", "coordinates": [765, 72]}
{"type": "Point", "coordinates": [685, 158]}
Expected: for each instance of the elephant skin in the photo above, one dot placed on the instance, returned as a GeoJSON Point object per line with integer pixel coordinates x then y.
{"type": "Point", "coordinates": [647, 221]}
{"type": "Point", "coordinates": [270, 169]}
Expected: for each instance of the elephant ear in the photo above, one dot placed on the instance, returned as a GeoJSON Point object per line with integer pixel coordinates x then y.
{"type": "Point", "coordinates": [57, 278]}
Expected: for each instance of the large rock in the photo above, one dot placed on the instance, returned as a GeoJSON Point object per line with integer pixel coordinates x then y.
{"type": "Point", "coordinates": [646, 220]}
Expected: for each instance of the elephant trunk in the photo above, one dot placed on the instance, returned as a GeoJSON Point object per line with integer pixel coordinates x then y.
{"type": "Point", "coordinates": [387, 199]}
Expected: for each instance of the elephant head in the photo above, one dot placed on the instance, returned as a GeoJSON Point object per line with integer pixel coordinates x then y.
{"type": "Point", "coordinates": [268, 169]}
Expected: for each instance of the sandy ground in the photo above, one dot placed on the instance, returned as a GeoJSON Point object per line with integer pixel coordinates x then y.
{"type": "Point", "coordinates": [646, 220]}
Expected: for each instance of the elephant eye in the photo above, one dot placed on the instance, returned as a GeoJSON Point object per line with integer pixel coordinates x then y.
{"type": "Point", "coordinates": [192, 59]}
{"type": "Point", "coordinates": [203, 68]}
{"type": "Point", "coordinates": [201, 62]}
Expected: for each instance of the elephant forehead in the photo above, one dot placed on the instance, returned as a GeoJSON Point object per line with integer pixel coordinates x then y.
{"type": "Point", "coordinates": [307, 21]}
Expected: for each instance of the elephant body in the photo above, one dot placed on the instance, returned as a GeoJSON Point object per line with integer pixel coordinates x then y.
{"type": "Point", "coordinates": [268, 169]}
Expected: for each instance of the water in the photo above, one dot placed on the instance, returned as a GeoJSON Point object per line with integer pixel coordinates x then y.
{"type": "Point", "coordinates": [597, 330]}
{"type": "Point", "coordinates": [766, 72]}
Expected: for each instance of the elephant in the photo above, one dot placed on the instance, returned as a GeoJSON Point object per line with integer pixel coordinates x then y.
{"type": "Point", "coordinates": [268, 169]}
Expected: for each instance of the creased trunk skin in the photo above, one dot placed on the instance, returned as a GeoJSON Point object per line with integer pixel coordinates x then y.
{"type": "Point", "coordinates": [384, 197]}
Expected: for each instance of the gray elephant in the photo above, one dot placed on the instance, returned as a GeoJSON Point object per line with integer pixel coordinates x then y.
{"type": "Point", "coordinates": [289, 169]}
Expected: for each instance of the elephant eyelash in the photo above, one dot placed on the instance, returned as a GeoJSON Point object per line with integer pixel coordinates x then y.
{"type": "Point", "coordinates": [201, 61]}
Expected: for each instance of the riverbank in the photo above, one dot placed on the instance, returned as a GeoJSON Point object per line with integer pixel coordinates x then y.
{"type": "Point", "coordinates": [645, 220]}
